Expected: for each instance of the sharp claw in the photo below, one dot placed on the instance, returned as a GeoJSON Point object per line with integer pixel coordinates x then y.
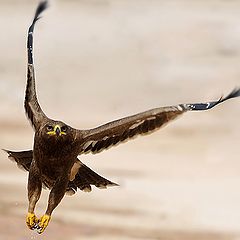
{"type": "Point", "coordinates": [31, 221]}
{"type": "Point", "coordinates": [43, 223]}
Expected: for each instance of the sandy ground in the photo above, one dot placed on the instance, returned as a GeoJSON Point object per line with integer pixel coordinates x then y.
{"type": "Point", "coordinates": [99, 60]}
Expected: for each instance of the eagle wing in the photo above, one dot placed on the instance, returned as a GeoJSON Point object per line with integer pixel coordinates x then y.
{"type": "Point", "coordinates": [31, 104]}
{"type": "Point", "coordinates": [103, 137]}
{"type": "Point", "coordinates": [23, 158]}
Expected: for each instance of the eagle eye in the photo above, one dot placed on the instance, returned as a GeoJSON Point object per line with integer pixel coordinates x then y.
{"type": "Point", "coordinates": [49, 128]}
{"type": "Point", "coordinates": [64, 128]}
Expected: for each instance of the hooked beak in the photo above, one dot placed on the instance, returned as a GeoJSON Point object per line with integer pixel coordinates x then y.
{"type": "Point", "coordinates": [57, 130]}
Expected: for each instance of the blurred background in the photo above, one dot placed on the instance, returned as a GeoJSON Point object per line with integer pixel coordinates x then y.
{"type": "Point", "coordinates": [100, 60]}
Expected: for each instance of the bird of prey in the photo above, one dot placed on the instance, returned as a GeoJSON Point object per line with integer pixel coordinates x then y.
{"type": "Point", "coordinates": [53, 162]}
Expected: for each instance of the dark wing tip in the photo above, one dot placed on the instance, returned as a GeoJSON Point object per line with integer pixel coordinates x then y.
{"type": "Point", "coordinates": [10, 157]}
{"type": "Point", "coordinates": [6, 151]}
{"type": "Point", "coordinates": [205, 106]}
{"type": "Point", "coordinates": [235, 93]}
{"type": "Point", "coordinates": [112, 184]}
{"type": "Point", "coordinates": [41, 7]}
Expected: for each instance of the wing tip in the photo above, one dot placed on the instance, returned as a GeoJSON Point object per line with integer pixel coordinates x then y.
{"type": "Point", "coordinates": [206, 106]}
{"type": "Point", "coordinates": [41, 7]}
{"type": "Point", "coordinates": [112, 184]}
{"type": "Point", "coordinates": [106, 185]}
{"type": "Point", "coordinates": [10, 157]}
{"type": "Point", "coordinates": [6, 151]}
{"type": "Point", "coordinates": [233, 94]}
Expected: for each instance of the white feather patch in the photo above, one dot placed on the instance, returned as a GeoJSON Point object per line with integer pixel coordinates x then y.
{"type": "Point", "coordinates": [94, 143]}
{"type": "Point", "coordinates": [179, 108]}
{"type": "Point", "coordinates": [151, 118]}
{"type": "Point", "coordinates": [74, 170]}
{"type": "Point", "coordinates": [136, 124]}
{"type": "Point", "coordinates": [88, 143]}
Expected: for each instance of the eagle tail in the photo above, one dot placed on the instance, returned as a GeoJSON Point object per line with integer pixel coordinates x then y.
{"type": "Point", "coordinates": [205, 106]}
{"type": "Point", "coordinates": [87, 177]}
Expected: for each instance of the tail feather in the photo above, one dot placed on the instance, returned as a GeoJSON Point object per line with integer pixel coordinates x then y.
{"type": "Point", "coordinates": [87, 177]}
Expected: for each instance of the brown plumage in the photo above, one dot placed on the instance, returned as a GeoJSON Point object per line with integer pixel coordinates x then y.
{"type": "Point", "coordinates": [53, 161]}
{"type": "Point", "coordinates": [84, 178]}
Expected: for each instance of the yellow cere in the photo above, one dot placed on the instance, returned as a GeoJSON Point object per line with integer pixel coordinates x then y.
{"type": "Point", "coordinates": [54, 131]}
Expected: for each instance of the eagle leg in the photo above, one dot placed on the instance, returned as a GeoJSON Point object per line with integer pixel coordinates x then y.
{"type": "Point", "coordinates": [55, 197]}
{"type": "Point", "coordinates": [34, 192]}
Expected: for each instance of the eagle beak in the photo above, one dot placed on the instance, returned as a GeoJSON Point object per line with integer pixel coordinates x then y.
{"type": "Point", "coordinates": [57, 130]}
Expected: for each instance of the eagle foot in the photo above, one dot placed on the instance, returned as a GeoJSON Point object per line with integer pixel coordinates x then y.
{"type": "Point", "coordinates": [32, 221]}
{"type": "Point", "coordinates": [43, 223]}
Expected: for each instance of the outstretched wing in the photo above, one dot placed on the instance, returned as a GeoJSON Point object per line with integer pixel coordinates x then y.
{"type": "Point", "coordinates": [100, 138]}
{"type": "Point", "coordinates": [32, 107]}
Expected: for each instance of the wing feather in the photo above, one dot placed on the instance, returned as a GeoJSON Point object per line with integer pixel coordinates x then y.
{"type": "Point", "coordinates": [113, 133]}
{"type": "Point", "coordinates": [23, 158]}
{"type": "Point", "coordinates": [31, 104]}
{"type": "Point", "coordinates": [97, 139]}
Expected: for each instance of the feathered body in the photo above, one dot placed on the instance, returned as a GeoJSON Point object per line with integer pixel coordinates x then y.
{"type": "Point", "coordinates": [54, 155]}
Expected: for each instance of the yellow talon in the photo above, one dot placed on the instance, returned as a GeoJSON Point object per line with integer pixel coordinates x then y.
{"type": "Point", "coordinates": [43, 223]}
{"type": "Point", "coordinates": [31, 221]}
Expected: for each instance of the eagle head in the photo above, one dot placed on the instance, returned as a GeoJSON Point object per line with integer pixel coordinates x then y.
{"type": "Point", "coordinates": [57, 130]}
{"type": "Point", "coordinates": [54, 137]}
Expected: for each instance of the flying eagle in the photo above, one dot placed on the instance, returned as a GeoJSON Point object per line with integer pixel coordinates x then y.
{"type": "Point", "coordinates": [53, 162]}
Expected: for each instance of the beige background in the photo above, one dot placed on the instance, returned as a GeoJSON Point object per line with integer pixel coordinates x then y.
{"type": "Point", "coordinates": [99, 60]}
